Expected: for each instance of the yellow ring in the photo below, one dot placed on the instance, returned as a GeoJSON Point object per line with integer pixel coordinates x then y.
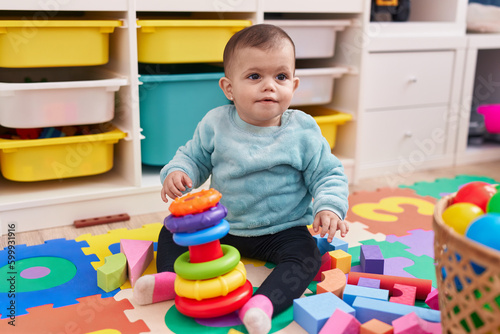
{"type": "Point", "coordinates": [210, 288]}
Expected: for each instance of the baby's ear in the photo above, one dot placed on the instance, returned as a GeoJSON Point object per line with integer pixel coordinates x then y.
{"type": "Point", "coordinates": [296, 82]}
{"type": "Point", "coordinates": [227, 87]}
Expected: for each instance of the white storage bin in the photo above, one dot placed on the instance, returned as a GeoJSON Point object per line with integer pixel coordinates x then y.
{"type": "Point", "coordinates": [47, 97]}
{"type": "Point", "coordinates": [306, 34]}
{"type": "Point", "coordinates": [316, 85]}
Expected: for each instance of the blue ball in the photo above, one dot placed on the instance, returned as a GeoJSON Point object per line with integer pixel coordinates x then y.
{"type": "Point", "coordinates": [485, 230]}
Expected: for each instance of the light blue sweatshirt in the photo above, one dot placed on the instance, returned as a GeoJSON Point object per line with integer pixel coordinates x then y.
{"type": "Point", "coordinates": [267, 176]}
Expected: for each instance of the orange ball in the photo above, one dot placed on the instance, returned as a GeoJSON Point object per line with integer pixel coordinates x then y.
{"type": "Point", "coordinates": [459, 216]}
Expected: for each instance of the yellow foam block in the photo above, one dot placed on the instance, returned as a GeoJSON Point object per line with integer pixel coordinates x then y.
{"type": "Point", "coordinates": [341, 260]}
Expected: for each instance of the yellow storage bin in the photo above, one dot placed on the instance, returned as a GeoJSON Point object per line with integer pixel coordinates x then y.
{"type": "Point", "coordinates": [328, 121]}
{"type": "Point", "coordinates": [27, 160]}
{"type": "Point", "coordinates": [51, 43]}
{"type": "Point", "coordinates": [185, 41]}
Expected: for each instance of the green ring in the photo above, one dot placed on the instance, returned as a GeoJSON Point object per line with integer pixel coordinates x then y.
{"type": "Point", "coordinates": [61, 271]}
{"type": "Point", "coordinates": [210, 269]}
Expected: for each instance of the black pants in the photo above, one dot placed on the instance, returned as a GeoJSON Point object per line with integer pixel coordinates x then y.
{"type": "Point", "coordinates": [294, 251]}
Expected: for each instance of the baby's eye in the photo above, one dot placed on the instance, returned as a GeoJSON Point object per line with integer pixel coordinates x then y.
{"type": "Point", "coordinates": [281, 76]}
{"type": "Point", "coordinates": [254, 76]}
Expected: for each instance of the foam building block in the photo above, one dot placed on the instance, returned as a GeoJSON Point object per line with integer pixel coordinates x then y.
{"type": "Point", "coordinates": [432, 299]}
{"type": "Point", "coordinates": [368, 308]}
{"type": "Point", "coordinates": [312, 312]}
{"type": "Point", "coordinates": [333, 281]}
{"type": "Point", "coordinates": [375, 326]}
{"type": "Point", "coordinates": [139, 254]}
{"type": "Point", "coordinates": [113, 273]}
{"type": "Point", "coordinates": [325, 246]}
{"type": "Point", "coordinates": [326, 264]}
{"type": "Point", "coordinates": [412, 324]}
{"type": "Point", "coordinates": [341, 260]}
{"type": "Point", "coordinates": [369, 282]}
{"type": "Point", "coordinates": [341, 323]}
{"type": "Point", "coordinates": [353, 291]}
{"type": "Point", "coordinates": [371, 259]}
{"type": "Point", "coordinates": [424, 286]}
{"type": "Point", "coordinates": [403, 294]}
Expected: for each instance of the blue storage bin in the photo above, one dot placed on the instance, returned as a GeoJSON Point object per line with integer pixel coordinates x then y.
{"type": "Point", "coordinates": [171, 106]}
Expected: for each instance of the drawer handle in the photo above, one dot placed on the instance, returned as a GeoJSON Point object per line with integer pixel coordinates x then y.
{"type": "Point", "coordinates": [413, 79]}
{"type": "Point", "coordinates": [408, 134]}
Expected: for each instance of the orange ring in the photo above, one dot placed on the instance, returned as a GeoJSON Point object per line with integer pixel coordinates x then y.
{"type": "Point", "coordinates": [195, 202]}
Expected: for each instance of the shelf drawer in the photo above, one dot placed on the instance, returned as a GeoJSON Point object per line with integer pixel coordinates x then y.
{"type": "Point", "coordinates": [185, 41]}
{"type": "Point", "coordinates": [399, 79]}
{"type": "Point", "coordinates": [55, 43]}
{"type": "Point", "coordinates": [412, 135]}
{"type": "Point", "coordinates": [316, 85]}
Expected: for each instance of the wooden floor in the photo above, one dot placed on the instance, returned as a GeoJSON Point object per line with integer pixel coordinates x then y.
{"type": "Point", "coordinates": [490, 169]}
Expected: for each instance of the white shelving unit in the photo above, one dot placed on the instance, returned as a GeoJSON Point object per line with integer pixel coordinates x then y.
{"type": "Point", "coordinates": [481, 85]}
{"type": "Point", "coordinates": [403, 84]}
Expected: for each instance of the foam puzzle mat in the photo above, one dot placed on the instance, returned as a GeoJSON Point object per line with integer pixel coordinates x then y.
{"type": "Point", "coordinates": [56, 283]}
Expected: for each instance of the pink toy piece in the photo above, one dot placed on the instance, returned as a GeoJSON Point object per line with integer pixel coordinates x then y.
{"type": "Point", "coordinates": [326, 264]}
{"type": "Point", "coordinates": [413, 324]}
{"type": "Point", "coordinates": [341, 323]}
{"type": "Point", "coordinates": [369, 282]}
{"type": "Point", "coordinates": [259, 301]}
{"type": "Point", "coordinates": [371, 259]}
{"type": "Point", "coordinates": [139, 254]}
{"type": "Point", "coordinates": [403, 294]}
{"type": "Point", "coordinates": [195, 222]}
{"type": "Point", "coordinates": [432, 299]}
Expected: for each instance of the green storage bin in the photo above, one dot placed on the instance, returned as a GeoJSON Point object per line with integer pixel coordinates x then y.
{"type": "Point", "coordinates": [171, 105]}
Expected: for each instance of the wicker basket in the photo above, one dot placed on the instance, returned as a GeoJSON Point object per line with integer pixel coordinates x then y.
{"type": "Point", "coordinates": [468, 279]}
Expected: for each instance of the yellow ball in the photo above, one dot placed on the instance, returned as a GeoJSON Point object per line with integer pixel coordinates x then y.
{"type": "Point", "coordinates": [459, 215]}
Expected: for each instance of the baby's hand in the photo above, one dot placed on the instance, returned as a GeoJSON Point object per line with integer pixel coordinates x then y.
{"type": "Point", "coordinates": [329, 223]}
{"type": "Point", "coordinates": [175, 183]}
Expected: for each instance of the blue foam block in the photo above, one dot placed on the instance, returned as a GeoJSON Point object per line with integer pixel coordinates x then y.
{"type": "Point", "coordinates": [385, 311]}
{"type": "Point", "coordinates": [353, 291]}
{"type": "Point", "coordinates": [312, 312]}
{"type": "Point", "coordinates": [325, 246]}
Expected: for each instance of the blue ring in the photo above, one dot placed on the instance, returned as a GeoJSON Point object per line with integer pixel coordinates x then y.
{"type": "Point", "coordinates": [196, 222]}
{"type": "Point", "coordinates": [203, 236]}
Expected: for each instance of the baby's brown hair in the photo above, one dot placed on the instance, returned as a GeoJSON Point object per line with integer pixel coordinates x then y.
{"type": "Point", "coordinates": [262, 36]}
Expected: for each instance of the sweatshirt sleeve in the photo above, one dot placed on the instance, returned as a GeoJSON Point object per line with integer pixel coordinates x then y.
{"type": "Point", "coordinates": [327, 182]}
{"type": "Point", "coordinates": [194, 158]}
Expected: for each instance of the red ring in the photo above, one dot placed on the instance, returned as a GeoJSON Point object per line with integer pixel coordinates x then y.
{"type": "Point", "coordinates": [215, 307]}
{"type": "Point", "coordinates": [194, 203]}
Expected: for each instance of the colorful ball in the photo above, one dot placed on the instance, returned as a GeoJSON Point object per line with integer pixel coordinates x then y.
{"type": "Point", "coordinates": [485, 230]}
{"type": "Point", "coordinates": [477, 192]}
{"type": "Point", "coordinates": [458, 216]}
{"type": "Point", "coordinates": [494, 204]}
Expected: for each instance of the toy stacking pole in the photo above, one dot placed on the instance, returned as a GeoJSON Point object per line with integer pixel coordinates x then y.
{"type": "Point", "coordinates": [211, 279]}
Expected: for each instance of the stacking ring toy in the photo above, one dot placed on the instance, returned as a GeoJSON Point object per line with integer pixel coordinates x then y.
{"type": "Point", "coordinates": [202, 236]}
{"type": "Point", "coordinates": [192, 223]}
{"type": "Point", "coordinates": [206, 270]}
{"type": "Point", "coordinates": [195, 202]}
{"type": "Point", "coordinates": [215, 307]}
{"type": "Point", "coordinates": [210, 288]}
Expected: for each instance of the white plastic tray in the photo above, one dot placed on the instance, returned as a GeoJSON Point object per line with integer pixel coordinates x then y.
{"type": "Point", "coordinates": [47, 97]}
{"type": "Point", "coordinates": [316, 85]}
{"type": "Point", "coordinates": [306, 34]}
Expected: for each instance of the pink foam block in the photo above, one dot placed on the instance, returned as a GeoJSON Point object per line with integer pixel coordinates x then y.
{"type": "Point", "coordinates": [432, 299]}
{"type": "Point", "coordinates": [139, 254]}
{"type": "Point", "coordinates": [403, 294]}
{"type": "Point", "coordinates": [413, 324]}
{"type": "Point", "coordinates": [341, 323]}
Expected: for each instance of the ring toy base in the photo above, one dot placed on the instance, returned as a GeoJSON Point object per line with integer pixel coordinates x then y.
{"type": "Point", "coordinates": [215, 307]}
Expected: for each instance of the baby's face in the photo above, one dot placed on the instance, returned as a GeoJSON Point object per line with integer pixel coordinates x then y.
{"type": "Point", "coordinates": [262, 83]}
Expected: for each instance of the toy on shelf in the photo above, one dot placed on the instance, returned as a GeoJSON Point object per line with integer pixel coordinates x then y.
{"type": "Point", "coordinates": [399, 10]}
{"type": "Point", "coordinates": [211, 280]}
